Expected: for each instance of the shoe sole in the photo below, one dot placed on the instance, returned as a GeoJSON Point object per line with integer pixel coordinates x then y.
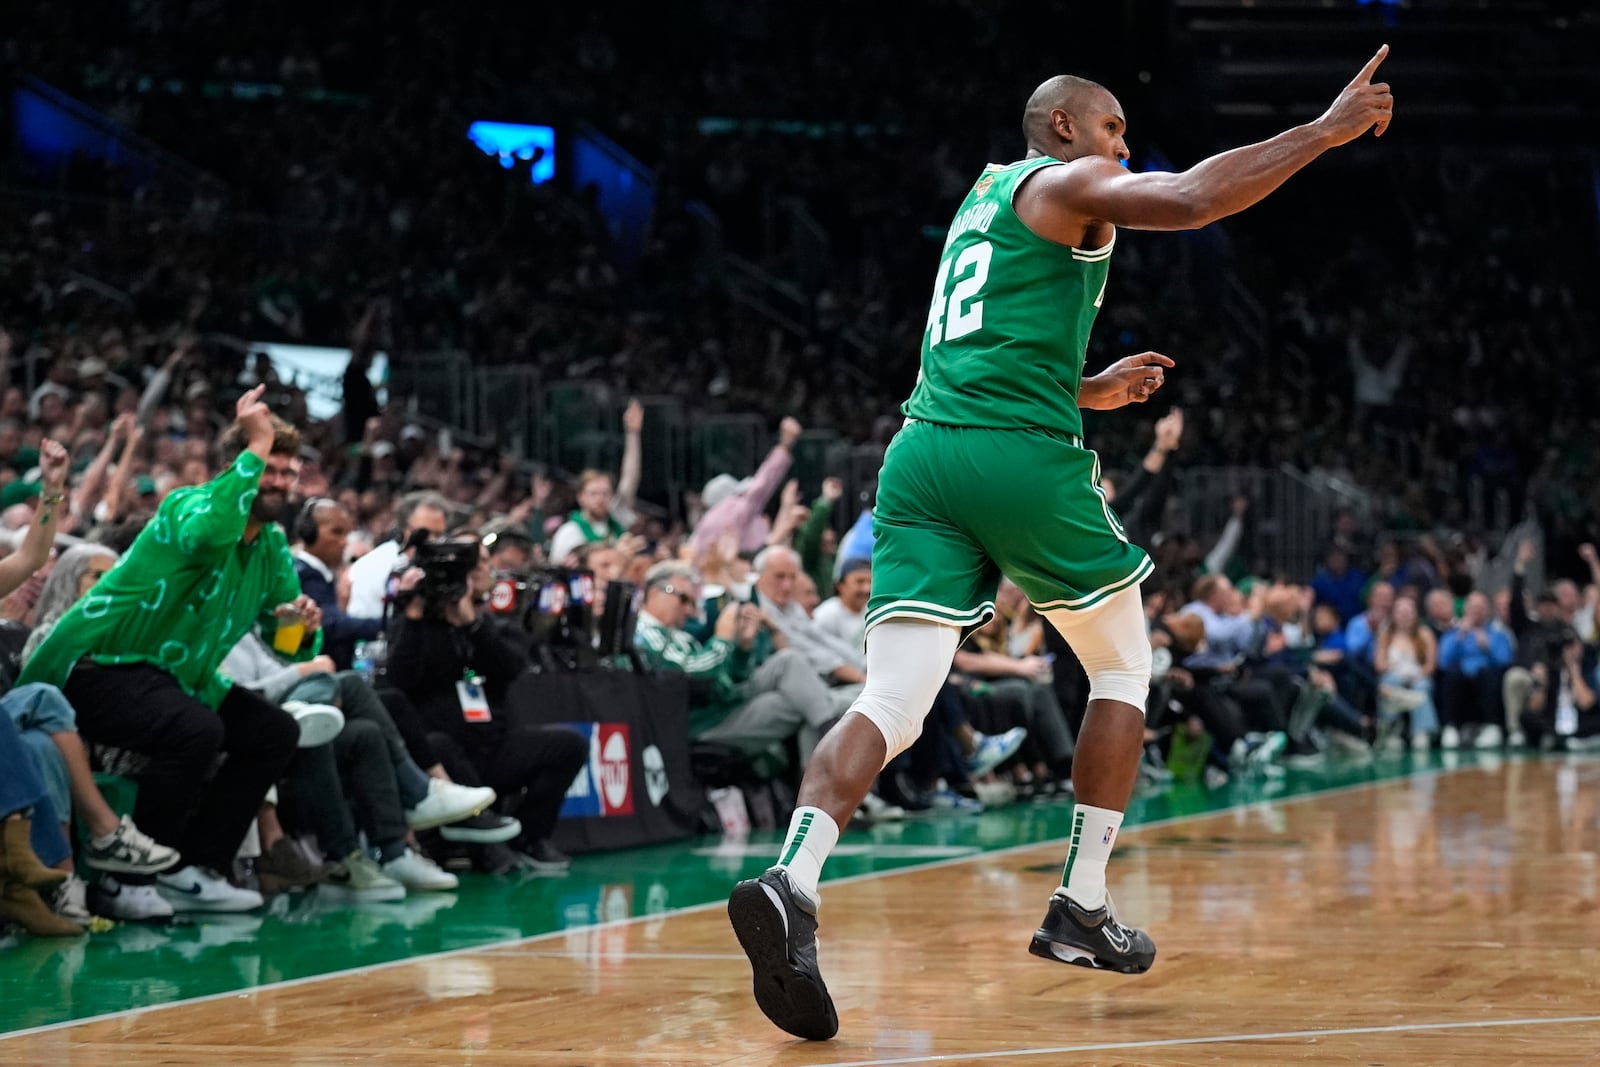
{"type": "Point", "coordinates": [477, 837]}
{"type": "Point", "coordinates": [433, 822]}
{"type": "Point", "coordinates": [218, 907]}
{"type": "Point", "coordinates": [113, 866]}
{"type": "Point", "coordinates": [795, 1002]}
{"type": "Point", "coordinates": [1059, 952]}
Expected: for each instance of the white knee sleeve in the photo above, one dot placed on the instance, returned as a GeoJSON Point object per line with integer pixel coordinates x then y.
{"type": "Point", "coordinates": [1111, 642]}
{"type": "Point", "coordinates": [907, 662]}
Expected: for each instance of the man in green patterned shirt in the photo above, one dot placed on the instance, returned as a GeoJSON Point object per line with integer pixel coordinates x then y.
{"type": "Point", "coordinates": [990, 475]}
{"type": "Point", "coordinates": [138, 659]}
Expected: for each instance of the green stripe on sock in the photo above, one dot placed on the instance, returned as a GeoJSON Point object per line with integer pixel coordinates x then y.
{"type": "Point", "coordinates": [1072, 848]}
{"type": "Point", "coordinates": [799, 836]}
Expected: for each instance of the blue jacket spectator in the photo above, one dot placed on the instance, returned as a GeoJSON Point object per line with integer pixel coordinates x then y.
{"type": "Point", "coordinates": [1338, 584]}
{"type": "Point", "coordinates": [1471, 650]}
{"type": "Point", "coordinates": [1360, 635]}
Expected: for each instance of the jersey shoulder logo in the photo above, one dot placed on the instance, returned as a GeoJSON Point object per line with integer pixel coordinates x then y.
{"type": "Point", "coordinates": [983, 184]}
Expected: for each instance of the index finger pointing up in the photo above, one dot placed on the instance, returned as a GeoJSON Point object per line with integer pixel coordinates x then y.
{"type": "Point", "coordinates": [1367, 71]}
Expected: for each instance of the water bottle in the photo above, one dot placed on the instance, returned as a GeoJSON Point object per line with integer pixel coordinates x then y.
{"type": "Point", "coordinates": [369, 659]}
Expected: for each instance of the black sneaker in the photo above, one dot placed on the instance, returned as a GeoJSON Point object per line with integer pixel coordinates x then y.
{"type": "Point", "coordinates": [1091, 938]}
{"type": "Point", "coordinates": [777, 928]}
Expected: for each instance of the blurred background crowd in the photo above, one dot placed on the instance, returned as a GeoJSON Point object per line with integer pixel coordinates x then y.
{"type": "Point", "coordinates": [1369, 486]}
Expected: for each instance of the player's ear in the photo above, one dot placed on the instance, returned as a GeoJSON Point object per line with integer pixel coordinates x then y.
{"type": "Point", "coordinates": [1061, 122]}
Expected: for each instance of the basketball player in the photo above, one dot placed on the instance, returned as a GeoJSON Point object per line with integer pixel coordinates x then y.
{"type": "Point", "coordinates": [990, 475]}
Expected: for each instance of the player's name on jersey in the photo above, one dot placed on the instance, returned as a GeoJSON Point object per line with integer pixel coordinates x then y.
{"type": "Point", "coordinates": [977, 217]}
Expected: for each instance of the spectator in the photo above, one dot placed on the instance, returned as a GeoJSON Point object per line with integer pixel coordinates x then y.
{"type": "Point", "coordinates": [841, 665]}
{"type": "Point", "coordinates": [844, 615]}
{"type": "Point", "coordinates": [816, 540]}
{"type": "Point", "coordinates": [421, 516]}
{"type": "Point", "coordinates": [321, 532]}
{"type": "Point", "coordinates": [1404, 655]}
{"type": "Point", "coordinates": [1338, 584]}
{"type": "Point", "coordinates": [1141, 500]}
{"type": "Point", "coordinates": [361, 764]}
{"type": "Point", "coordinates": [23, 870]}
{"type": "Point", "coordinates": [1360, 634]}
{"type": "Point", "coordinates": [1473, 658]}
{"type": "Point", "coordinates": [138, 660]}
{"type": "Point", "coordinates": [1563, 711]}
{"type": "Point", "coordinates": [455, 666]}
{"type": "Point", "coordinates": [600, 514]}
{"type": "Point", "coordinates": [1439, 612]}
{"type": "Point", "coordinates": [748, 689]}
{"type": "Point", "coordinates": [737, 505]}
{"type": "Point", "coordinates": [1540, 639]}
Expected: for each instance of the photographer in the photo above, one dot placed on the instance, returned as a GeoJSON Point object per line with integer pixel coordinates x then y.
{"type": "Point", "coordinates": [1563, 711]}
{"type": "Point", "coordinates": [421, 516]}
{"type": "Point", "coordinates": [455, 666]}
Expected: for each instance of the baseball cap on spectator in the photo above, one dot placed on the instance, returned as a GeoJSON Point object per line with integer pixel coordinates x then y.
{"type": "Point", "coordinates": [412, 431]}
{"type": "Point", "coordinates": [721, 488]}
{"type": "Point", "coordinates": [381, 449]}
{"type": "Point", "coordinates": [197, 390]}
{"type": "Point", "coordinates": [144, 485]}
{"type": "Point", "coordinates": [92, 367]}
{"type": "Point", "coordinates": [850, 566]}
{"type": "Point", "coordinates": [18, 492]}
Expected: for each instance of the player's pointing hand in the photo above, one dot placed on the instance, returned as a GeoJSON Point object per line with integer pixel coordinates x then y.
{"type": "Point", "coordinates": [1363, 105]}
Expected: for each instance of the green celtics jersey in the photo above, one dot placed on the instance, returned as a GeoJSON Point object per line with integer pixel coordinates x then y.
{"type": "Point", "coordinates": [1010, 318]}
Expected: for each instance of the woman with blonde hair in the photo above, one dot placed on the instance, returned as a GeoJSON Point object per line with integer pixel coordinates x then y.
{"type": "Point", "coordinates": [1405, 654]}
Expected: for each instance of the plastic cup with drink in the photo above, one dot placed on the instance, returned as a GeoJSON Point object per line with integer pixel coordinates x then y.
{"type": "Point", "coordinates": [291, 629]}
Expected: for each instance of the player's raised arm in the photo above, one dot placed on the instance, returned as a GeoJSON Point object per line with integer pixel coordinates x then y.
{"type": "Point", "coordinates": [1060, 202]}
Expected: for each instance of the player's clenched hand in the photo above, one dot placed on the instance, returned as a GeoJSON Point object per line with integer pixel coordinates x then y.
{"type": "Point", "coordinates": [1130, 380]}
{"type": "Point", "coordinates": [1363, 105]}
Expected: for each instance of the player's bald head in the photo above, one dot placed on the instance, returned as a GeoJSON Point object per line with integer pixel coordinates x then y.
{"type": "Point", "coordinates": [1064, 92]}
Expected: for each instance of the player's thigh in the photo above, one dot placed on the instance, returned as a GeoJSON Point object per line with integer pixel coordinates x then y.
{"type": "Point", "coordinates": [925, 563]}
{"type": "Point", "coordinates": [1043, 518]}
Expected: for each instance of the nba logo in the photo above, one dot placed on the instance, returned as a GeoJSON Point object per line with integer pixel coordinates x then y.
{"type": "Point", "coordinates": [1106, 840]}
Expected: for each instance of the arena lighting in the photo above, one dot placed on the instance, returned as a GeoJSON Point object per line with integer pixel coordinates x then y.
{"type": "Point", "coordinates": [511, 141]}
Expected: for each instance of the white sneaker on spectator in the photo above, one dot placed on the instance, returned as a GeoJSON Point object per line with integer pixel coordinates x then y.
{"type": "Point", "coordinates": [1421, 742]}
{"type": "Point", "coordinates": [129, 851]}
{"type": "Point", "coordinates": [1517, 739]}
{"type": "Point", "coordinates": [358, 877]}
{"type": "Point", "coordinates": [1449, 738]}
{"type": "Point", "coordinates": [319, 723]}
{"type": "Point", "coordinates": [71, 901]}
{"type": "Point", "coordinates": [994, 749]}
{"type": "Point", "coordinates": [948, 799]}
{"type": "Point", "coordinates": [202, 889]}
{"type": "Point", "coordinates": [115, 900]}
{"type": "Point", "coordinates": [419, 874]}
{"type": "Point", "coordinates": [880, 810]}
{"type": "Point", "coordinates": [1488, 737]}
{"type": "Point", "coordinates": [994, 794]}
{"type": "Point", "coordinates": [448, 802]}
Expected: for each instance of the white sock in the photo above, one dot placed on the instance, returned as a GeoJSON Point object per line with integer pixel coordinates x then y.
{"type": "Point", "coordinates": [812, 835]}
{"type": "Point", "coordinates": [1094, 833]}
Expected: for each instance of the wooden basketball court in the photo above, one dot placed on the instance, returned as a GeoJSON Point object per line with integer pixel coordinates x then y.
{"type": "Point", "coordinates": [1447, 917]}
